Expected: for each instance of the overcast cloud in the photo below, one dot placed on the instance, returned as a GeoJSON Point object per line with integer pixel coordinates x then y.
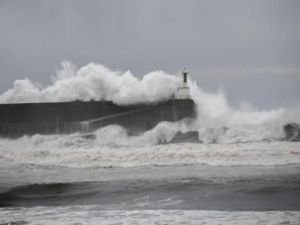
{"type": "Point", "coordinates": [250, 48]}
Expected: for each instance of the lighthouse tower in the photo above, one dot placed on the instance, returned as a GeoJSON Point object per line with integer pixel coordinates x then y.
{"type": "Point", "coordinates": [183, 92]}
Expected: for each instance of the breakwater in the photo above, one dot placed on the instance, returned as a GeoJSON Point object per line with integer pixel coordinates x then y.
{"type": "Point", "coordinates": [79, 116]}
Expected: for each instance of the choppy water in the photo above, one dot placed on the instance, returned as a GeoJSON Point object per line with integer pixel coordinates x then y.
{"type": "Point", "coordinates": [68, 179]}
{"type": "Point", "coordinates": [92, 215]}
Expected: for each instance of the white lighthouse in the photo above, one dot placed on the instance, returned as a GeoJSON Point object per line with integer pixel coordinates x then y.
{"type": "Point", "coordinates": [183, 92]}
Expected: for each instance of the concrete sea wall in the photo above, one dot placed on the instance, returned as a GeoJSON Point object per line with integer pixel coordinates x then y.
{"type": "Point", "coordinates": [67, 117]}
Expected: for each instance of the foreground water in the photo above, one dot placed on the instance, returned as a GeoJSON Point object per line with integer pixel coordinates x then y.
{"type": "Point", "coordinates": [73, 180]}
{"type": "Point", "coordinates": [92, 215]}
{"type": "Point", "coordinates": [182, 194]}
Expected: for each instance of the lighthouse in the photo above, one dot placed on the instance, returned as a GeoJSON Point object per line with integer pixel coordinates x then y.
{"type": "Point", "coordinates": [183, 91]}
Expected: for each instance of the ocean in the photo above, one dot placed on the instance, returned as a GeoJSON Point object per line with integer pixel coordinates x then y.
{"type": "Point", "coordinates": [68, 179]}
{"type": "Point", "coordinates": [232, 165]}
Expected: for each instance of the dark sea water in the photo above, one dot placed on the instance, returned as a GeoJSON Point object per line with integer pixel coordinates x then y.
{"type": "Point", "coordinates": [268, 192]}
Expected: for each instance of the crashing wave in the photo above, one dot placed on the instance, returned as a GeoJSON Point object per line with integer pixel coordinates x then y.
{"type": "Point", "coordinates": [292, 132]}
{"type": "Point", "coordinates": [94, 82]}
{"type": "Point", "coordinates": [216, 122]}
{"type": "Point", "coordinates": [170, 133]}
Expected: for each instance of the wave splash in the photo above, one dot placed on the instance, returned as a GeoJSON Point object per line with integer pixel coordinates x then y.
{"type": "Point", "coordinates": [216, 122]}
{"type": "Point", "coordinates": [94, 81]}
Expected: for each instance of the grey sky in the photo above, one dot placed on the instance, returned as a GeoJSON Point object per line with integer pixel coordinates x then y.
{"type": "Point", "coordinates": [250, 48]}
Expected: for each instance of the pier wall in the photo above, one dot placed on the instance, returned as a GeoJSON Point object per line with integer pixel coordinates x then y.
{"type": "Point", "coordinates": [68, 117]}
